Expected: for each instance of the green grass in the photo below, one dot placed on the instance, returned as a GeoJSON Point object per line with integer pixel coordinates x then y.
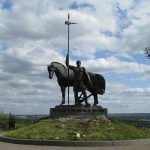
{"type": "Point", "coordinates": [92, 130]}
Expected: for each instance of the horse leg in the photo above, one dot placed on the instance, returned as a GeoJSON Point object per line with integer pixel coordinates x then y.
{"type": "Point", "coordinates": [63, 90]}
{"type": "Point", "coordinates": [76, 97]}
{"type": "Point", "coordinates": [95, 99]}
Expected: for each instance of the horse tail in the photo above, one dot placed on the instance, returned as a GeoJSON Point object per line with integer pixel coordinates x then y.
{"type": "Point", "coordinates": [98, 83]}
{"type": "Point", "coordinates": [101, 84]}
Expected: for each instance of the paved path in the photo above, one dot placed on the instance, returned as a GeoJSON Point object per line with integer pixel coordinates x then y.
{"type": "Point", "coordinates": [9, 146]}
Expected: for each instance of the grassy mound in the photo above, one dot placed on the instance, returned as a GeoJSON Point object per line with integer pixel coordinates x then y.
{"type": "Point", "coordinates": [89, 130]}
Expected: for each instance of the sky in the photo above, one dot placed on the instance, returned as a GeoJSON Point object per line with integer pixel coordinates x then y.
{"type": "Point", "coordinates": [109, 39]}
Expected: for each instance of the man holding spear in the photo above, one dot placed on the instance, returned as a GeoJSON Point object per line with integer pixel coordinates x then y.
{"type": "Point", "coordinates": [79, 73]}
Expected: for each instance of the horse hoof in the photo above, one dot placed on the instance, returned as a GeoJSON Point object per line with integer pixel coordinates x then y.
{"type": "Point", "coordinates": [61, 104]}
{"type": "Point", "coordinates": [94, 104]}
{"type": "Point", "coordinates": [87, 104]}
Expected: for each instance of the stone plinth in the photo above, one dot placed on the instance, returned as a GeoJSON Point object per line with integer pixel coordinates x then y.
{"type": "Point", "coordinates": [78, 110]}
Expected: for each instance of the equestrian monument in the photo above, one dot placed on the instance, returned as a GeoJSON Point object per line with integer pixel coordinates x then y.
{"type": "Point", "coordinates": [82, 81]}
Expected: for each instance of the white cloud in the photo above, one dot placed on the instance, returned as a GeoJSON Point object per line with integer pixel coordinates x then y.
{"type": "Point", "coordinates": [121, 98]}
{"type": "Point", "coordinates": [112, 64]}
{"type": "Point", "coordinates": [33, 34]}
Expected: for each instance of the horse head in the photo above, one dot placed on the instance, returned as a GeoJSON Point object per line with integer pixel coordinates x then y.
{"type": "Point", "coordinates": [51, 70]}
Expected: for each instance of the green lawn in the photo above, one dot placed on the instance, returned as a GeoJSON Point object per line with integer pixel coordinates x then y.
{"type": "Point", "coordinates": [92, 130]}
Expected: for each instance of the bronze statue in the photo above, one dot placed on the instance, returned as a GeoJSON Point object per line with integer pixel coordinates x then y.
{"type": "Point", "coordinates": [147, 52]}
{"type": "Point", "coordinates": [78, 86]}
{"type": "Point", "coordinates": [97, 85]}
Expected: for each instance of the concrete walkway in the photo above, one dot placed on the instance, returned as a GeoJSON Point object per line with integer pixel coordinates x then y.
{"type": "Point", "coordinates": [9, 146]}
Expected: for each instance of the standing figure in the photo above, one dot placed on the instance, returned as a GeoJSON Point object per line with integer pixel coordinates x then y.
{"type": "Point", "coordinates": [79, 73]}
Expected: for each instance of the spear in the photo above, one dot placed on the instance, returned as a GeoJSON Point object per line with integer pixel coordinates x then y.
{"type": "Point", "coordinates": [68, 23]}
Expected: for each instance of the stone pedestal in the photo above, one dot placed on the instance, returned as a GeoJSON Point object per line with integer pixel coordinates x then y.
{"type": "Point", "coordinates": [78, 110]}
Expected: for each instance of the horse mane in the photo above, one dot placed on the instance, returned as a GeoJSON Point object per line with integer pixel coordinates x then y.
{"type": "Point", "coordinates": [60, 64]}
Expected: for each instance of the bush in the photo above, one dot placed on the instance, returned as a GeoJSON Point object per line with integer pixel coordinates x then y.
{"type": "Point", "coordinates": [7, 122]}
{"type": "Point", "coordinates": [11, 121]}
{"type": "Point", "coordinates": [3, 121]}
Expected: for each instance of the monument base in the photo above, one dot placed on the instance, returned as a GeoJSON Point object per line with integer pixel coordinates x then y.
{"type": "Point", "coordinates": [78, 110]}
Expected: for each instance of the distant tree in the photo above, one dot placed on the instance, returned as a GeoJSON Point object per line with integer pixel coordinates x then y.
{"type": "Point", "coordinates": [3, 120]}
{"type": "Point", "coordinates": [11, 120]}
{"type": "Point", "coordinates": [2, 115]}
{"type": "Point", "coordinates": [11, 117]}
{"type": "Point", "coordinates": [147, 52]}
{"type": "Point", "coordinates": [7, 121]}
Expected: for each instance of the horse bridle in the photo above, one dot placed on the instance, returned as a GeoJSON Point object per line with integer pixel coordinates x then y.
{"type": "Point", "coordinates": [51, 66]}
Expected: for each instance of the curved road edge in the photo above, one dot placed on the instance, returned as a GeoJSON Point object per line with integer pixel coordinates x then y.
{"type": "Point", "coordinates": [74, 143]}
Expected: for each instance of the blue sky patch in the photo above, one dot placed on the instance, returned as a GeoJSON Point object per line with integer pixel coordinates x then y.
{"type": "Point", "coordinates": [109, 34]}
{"type": "Point", "coordinates": [60, 8]}
{"type": "Point", "coordinates": [7, 5]}
{"type": "Point", "coordinates": [3, 47]}
{"type": "Point", "coordinates": [122, 18]}
{"type": "Point", "coordinates": [141, 59]}
{"type": "Point", "coordinates": [72, 56]}
{"type": "Point", "coordinates": [74, 5]}
{"type": "Point", "coordinates": [136, 18]}
{"type": "Point", "coordinates": [113, 77]}
{"type": "Point", "coordinates": [75, 58]}
{"type": "Point", "coordinates": [120, 13]}
{"type": "Point", "coordinates": [134, 81]}
{"type": "Point", "coordinates": [123, 57]}
{"type": "Point", "coordinates": [102, 54]}
{"type": "Point", "coordinates": [136, 1]}
{"type": "Point", "coordinates": [124, 26]}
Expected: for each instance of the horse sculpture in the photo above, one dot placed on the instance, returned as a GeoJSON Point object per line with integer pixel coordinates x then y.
{"type": "Point", "coordinates": [61, 71]}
